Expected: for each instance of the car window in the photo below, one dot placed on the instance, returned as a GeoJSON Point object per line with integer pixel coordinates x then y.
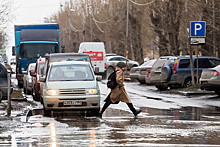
{"type": "Point", "coordinates": [1, 69]}
{"type": "Point", "coordinates": [122, 59]}
{"type": "Point", "coordinates": [184, 63]}
{"type": "Point", "coordinates": [170, 62]}
{"type": "Point", "coordinates": [214, 62]}
{"type": "Point", "coordinates": [71, 73]}
{"type": "Point", "coordinates": [203, 63]}
{"type": "Point", "coordinates": [158, 63]}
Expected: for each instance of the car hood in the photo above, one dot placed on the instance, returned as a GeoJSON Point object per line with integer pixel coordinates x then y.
{"type": "Point", "coordinates": [71, 84]}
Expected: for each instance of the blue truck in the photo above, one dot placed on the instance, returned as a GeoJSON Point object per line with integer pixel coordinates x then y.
{"type": "Point", "coordinates": [34, 41]}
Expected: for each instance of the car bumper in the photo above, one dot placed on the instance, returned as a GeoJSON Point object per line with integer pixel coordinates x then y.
{"type": "Point", "coordinates": [71, 102]}
{"type": "Point", "coordinates": [141, 77]}
{"type": "Point", "coordinates": [133, 76]}
{"type": "Point", "coordinates": [205, 85]}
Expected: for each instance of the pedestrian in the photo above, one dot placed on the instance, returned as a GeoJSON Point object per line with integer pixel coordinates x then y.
{"type": "Point", "coordinates": [119, 94]}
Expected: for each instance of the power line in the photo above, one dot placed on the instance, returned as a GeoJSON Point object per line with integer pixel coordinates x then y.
{"type": "Point", "coordinates": [142, 4]}
{"type": "Point", "coordinates": [108, 19]}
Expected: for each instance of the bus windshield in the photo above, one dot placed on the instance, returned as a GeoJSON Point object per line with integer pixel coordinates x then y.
{"type": "Point", "coordinates": [35, 50]}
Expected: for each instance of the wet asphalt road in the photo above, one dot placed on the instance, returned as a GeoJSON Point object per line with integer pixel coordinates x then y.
{"type": "Point", "coordinates": [166, 120]}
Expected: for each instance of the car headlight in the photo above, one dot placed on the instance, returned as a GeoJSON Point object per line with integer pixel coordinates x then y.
{"type": "Point", "coordinates": [52, 92]}
{"type": "Point", "coordinates": [91, 91]}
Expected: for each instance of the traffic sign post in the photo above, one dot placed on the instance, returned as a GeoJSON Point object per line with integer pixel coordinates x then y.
{"type": "Point", "coordinates": [197, 37]}
{"type": "Point", "coordinates": [197, 29]}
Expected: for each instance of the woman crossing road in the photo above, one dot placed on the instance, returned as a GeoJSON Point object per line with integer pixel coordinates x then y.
{"type": "Point", "coordinates": [119, 94]}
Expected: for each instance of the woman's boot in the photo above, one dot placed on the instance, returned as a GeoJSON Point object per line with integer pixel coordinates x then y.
{"type": "Point", "coordinates": [104, 108]}
{"type": "Point", "coordinates": [135, 112]}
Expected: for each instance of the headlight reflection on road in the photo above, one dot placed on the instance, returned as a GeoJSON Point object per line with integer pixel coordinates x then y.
{"type": "Point", "coordinates": [92, 137]}
{"type": "Point", "coordinates": [53, 135]}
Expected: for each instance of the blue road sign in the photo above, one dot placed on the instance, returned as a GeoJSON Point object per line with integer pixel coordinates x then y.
{"type": "Point", "coordinates": [197, 28]}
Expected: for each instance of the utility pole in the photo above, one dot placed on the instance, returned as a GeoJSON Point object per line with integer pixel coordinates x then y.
{"type": "Point", "coordinates": [188, 44]}
{"type": "Point", "coordinates": [69, 29]}
{"type": "Point", "coordinates": [90, 12]}
{"type": "Point", "coordinates": [127, 33]}
{"type": "Point", "coordinates": [214, 38]}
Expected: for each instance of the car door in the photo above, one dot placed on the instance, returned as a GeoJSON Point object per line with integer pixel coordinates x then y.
{"type": "Point", "coordinates": [3, 76]}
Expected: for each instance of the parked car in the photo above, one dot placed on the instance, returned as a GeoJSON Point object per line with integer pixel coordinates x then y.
{"type": "Point", "coordinates": [110, 54]}
{"type": "Point", "coordinates": [154, 76]}
{"type": "Point", "coordinates": [210, 79]}
{"type": "Point", "coordinates": [145, 70]}
{"type": "Point", "coordinates": [4, 83]}
{"type": "Point", "coordinates": [27, 79]}
{"type": "Point", "coordinates": [178, 72]}
{"type": "Point", "coordinates": [135, 71]}
{"type": "Point", "coordinates": [70, 85]}
{"type": "Point", "coordinates": [36, 75]}
{"type": "Point", "coordinates": [111, 62]}
{"type": "Point", "coordinates": [1, 59]}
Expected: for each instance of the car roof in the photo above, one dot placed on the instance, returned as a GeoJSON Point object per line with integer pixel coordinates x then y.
{"type": "Point", "coordinates": [114, 56]}
{"type": "Point", "coordinates": [65, 54]}
{"type": "Point", "coordinates": [70, 63]}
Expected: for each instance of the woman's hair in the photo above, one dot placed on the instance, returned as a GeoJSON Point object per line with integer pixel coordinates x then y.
{"type": "Point", "coordinates": [121, 64]}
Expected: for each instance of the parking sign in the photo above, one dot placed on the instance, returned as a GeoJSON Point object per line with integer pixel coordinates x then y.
{"type": "Point", "coordinates": [197, 28]}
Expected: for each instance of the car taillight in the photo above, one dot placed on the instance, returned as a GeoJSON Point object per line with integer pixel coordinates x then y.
{"type": "Point", "coordinates": [215, 73]}
{"type": "Point", "coordinates": [175, 70]}
{"type": "Point", "coordinates": [105, 65]}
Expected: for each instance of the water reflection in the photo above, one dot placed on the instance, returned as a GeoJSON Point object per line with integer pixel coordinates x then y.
{"type": "Point", "coordinates": [53, 136]}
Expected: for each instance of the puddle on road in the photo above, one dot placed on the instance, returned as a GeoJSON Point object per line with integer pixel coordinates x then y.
{"type": "Point", "coordinates": [153, 127]}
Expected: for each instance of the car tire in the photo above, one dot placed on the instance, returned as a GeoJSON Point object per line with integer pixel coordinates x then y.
{"type": "Point", "coordinates": [28, 92]}
{"type": "Point", "coordinates": [217, 92]}
{"type": "Point", "coordinates": [161, 87]}
{"type": "Point", "coordinates": [46, 112]}
{"type": "Point", "coordinates": [25, 90]}
{"type": "Point", "coordinates": [187, 83]}
{"type": "Point", "coordinates": [141, 82]}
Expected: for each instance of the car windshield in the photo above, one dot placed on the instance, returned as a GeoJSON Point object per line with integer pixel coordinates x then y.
{"type": "Point", "coordinates": [71, 73]}
{"type": "Point", "coordinates": [33, 50]}
{"type": "Point", "coordinates": [158, 63]}
{"type": "Point", "coordinates": [148, 63]}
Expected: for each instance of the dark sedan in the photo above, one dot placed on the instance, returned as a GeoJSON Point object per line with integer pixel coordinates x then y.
{"type": "Point", "coordinates": [3, 82]}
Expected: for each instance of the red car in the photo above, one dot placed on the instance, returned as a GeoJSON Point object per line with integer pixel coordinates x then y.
{"type": "Point", "coordinates": [36, 75]}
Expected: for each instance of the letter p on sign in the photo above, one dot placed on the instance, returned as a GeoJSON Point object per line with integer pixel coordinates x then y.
{"type": "Point", "coordinates": [197, 29]}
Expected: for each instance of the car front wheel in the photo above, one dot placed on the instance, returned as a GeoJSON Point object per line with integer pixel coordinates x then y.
{"type": "Point", "coordinates": [217, 92]}
{"type": "Point", "coordinates": [161, 87]}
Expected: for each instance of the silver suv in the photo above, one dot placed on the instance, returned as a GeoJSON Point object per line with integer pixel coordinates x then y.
{"type": "Point", "coordinates": [70, 85]}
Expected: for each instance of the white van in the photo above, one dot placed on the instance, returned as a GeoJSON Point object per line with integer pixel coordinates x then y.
{"type": "Point", "coordinates": [96, 51]}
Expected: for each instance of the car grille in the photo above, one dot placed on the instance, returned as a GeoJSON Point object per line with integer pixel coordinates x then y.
{"type": "Point", "coordinates": [73, 92]}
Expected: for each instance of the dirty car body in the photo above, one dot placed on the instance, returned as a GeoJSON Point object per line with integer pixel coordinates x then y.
{"type": "Point", "coordinates": [71, 85]}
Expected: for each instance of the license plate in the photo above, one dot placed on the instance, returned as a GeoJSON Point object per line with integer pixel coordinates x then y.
{"type": "Point", "coordinates": [72, 103]}
{"type": "Point", "coordinates": [205, 82]}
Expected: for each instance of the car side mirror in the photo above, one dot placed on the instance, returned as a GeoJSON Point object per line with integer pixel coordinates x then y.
{"type": "Point", "coordinates": [24, 72]}
{"type": "Point", "coordinates": [13, 50]}
{"type": "Point", "coordinates": [32, 73]}
{"type": "Point", "coordinates": [42, 79]}
{"type": "Point", "coordinates": [96, 70]}
{"type": "Point", "coordinates": [98, 78]}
